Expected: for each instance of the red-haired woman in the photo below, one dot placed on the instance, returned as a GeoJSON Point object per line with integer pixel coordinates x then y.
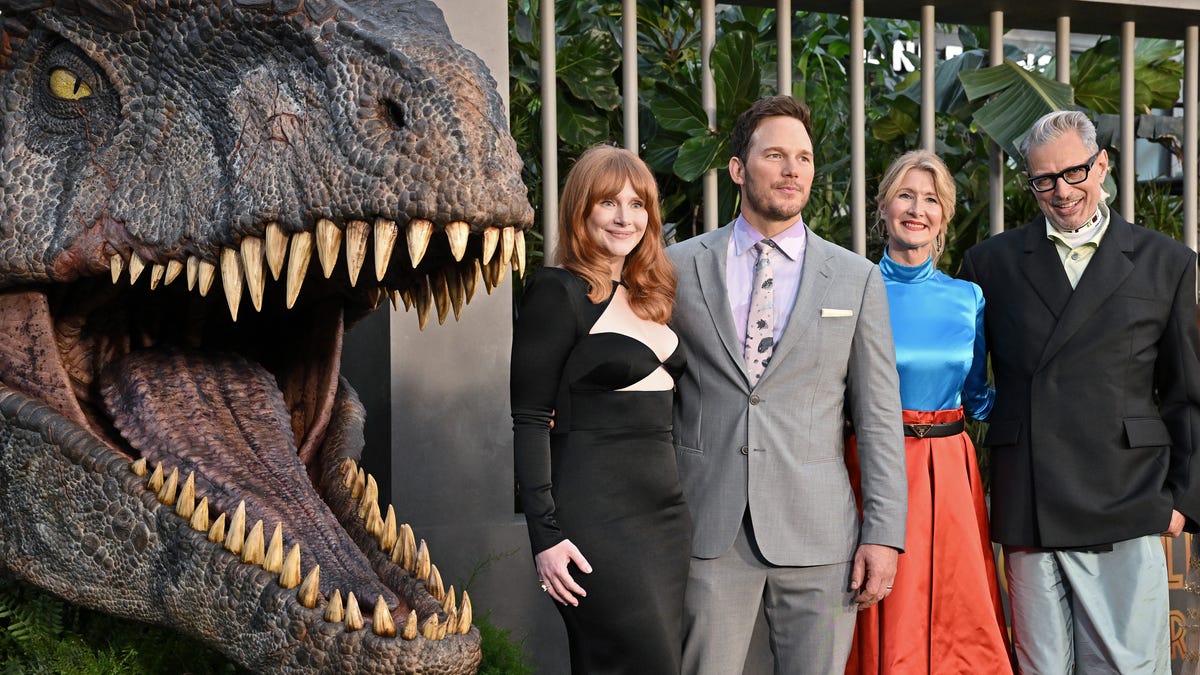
{"type": "Point", "coordinates": [592, 351]}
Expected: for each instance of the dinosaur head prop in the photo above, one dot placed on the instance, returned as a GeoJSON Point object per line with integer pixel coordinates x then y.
{"type": "Point", "coordinates": [196, 198]}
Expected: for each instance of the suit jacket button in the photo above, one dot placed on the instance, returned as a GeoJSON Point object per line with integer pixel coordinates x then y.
{"type": "Point", "coordinates": [754, 399]}
{"type": "Point", "coordinates": [745, 450]}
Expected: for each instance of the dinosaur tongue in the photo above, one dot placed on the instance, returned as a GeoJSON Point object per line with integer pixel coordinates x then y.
{"type": "Point", "coordinates": [224, 418]}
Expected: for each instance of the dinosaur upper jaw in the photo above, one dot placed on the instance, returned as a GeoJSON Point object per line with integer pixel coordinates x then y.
{"type": "Point", "coordinates": [263, 427]}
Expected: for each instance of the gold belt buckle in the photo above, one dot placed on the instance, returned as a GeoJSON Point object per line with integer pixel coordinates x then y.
{"type": "Point", "coordinates": [920, 429]}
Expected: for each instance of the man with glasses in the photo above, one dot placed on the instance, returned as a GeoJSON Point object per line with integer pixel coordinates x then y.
{"type": "Point", "coordinates": [1091, 324]}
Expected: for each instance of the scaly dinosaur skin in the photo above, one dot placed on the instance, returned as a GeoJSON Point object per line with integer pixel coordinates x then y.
{"type": "Point", "coordinates": [169, 358]}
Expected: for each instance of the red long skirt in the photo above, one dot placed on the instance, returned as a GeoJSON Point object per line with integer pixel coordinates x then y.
{"type": "Point", "coordinates": [944, 614]}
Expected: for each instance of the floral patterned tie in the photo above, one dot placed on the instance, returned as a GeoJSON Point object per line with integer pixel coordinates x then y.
{"type": "Point", "coordinates": [760, 324]}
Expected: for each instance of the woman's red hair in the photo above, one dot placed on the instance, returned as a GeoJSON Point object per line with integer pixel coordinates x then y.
{"type": "Point", "coordinates": [649, 276]}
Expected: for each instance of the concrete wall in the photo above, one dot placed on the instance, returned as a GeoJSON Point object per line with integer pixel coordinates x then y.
{"type": "Point", "coordinates": [439, 436]}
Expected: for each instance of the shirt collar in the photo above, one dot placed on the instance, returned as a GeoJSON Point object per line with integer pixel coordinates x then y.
{"type": "Point", "coordinates": [791, 241]}
{"type": "Point", "coordinates": [1089, 233]}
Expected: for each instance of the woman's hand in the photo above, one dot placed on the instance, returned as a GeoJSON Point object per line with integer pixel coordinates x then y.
{"type": "Point", "coordinates": [552, 571]}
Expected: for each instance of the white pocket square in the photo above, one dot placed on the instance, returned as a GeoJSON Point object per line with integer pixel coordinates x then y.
{"type": "Point", "coordinates": [828, 311]}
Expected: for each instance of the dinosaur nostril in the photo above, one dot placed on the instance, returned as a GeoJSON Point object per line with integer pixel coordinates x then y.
{"type": "Point", "coordinates": [396, 113]}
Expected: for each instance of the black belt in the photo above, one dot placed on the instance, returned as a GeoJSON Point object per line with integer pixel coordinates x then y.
{"type": "Point", "coordinates": [939, 430]}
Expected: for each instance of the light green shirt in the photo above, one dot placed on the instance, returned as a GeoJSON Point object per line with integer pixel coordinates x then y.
{"type": "Point", "coordinates": [1075, 249]}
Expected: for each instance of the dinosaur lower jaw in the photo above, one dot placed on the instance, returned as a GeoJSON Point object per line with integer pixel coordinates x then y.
{"type": "Point", "coordinates": [188, 421]}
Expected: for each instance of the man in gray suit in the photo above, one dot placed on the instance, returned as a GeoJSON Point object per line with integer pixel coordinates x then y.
{"type": "Point", "coordinates": [787, 335]}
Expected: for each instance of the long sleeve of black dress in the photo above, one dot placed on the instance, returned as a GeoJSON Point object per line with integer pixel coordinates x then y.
{"type": "Point", "coordinates": [545, 333]}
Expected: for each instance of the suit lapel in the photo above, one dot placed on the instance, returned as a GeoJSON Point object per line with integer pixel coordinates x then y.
{"type": "Point", "coordinates": [710, 269]}
{"type": "Point", "coordinates": [815, 278]}
{"type": "Point", "coordinates": [1107, 270]}
{"type": "Point", "coordinates": [1044, 269]}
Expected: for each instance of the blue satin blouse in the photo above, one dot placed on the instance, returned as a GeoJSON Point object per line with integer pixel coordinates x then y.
{"type": "Point", "coordinates": [937, 324]}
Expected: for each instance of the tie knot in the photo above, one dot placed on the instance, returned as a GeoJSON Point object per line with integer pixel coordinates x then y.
{"type": "Point", "coordinates": [765, 246]}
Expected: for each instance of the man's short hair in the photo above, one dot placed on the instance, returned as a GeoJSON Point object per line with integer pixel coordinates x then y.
{"type": "Point", "coordinates": [771, 106]}
{"type": "Point", "coordinates": [1050, 126]}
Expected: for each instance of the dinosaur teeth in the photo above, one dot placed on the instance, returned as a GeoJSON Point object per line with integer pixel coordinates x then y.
{"type": "Point", "coordinates": [277, 243]}
{"type": "Point", "coordinates": [449, 605]}
{"type": "Point", "coordinates": [471, 279]}
{"type": "Point", "coordinates": [252, 264]}
{"type": "Point", "coordinates": [464, 615]}
{"type": "Point", "coordinates": [136, 265]}
{"type": "Point", "coordinates": [356, 248]}
{"type": "Point", "coordinates": [435, 584]}
{"type": "Point", "coordinates": [199, 520]}
{"type": "Point", "coordinates": [422, 565]}
{"type": "Point", "coordinates": [334, 611]}
{"type": "Point", "coordinates": [236, 539]}
{"type": "Point", "coordinates": [216, 533]}
{"type": "Point", "coordinates": [329, 243]}
{"type": "Point", "coordinates": [252, 553]}
{"type": "Point", "coordinates": [374, 522]}
{"type": "Point", "coordinates": [507, 243]}
{"type": "Point", "coordinates": [310, 588]}
{"type": "Point", "coordinates": [408, 548]}
{"type": "Point", "coordinates": [370, 495]}
{"type": "Point", "coordinates": [167, 494]}
{"type": "Point", "coordinates": [520, 255]}
{"type": "Point", "coordinates": [138, 467]}
{"type": "Point", "coordinates": [231, 280]}
{"type": "Point", "coordinates": [156, 275]}
{"type": "Point", "coordinates": [174, 267]}
{"type": "Point", "coordinates": [208, 272]}
{"type": "Point", "coordinates": [386, 234]}
{"type": "Point", "coordinates": [423, 299]}
{"type": "Point", "coordinates": [431, 629]}
{"type": "Point", "coordinates": [349, 471]}
{"type": "Point", "coordinates": [491, 237]}
{"type": "Point", "coordinates": [273, 562]}
{"type": "Point", "coordinates": [116, 264]}
{"type": "Point", "coordinates": [458, 233]}
{"type": "Point", "coordinates": [156, 479]}
{"type": "Point", "coordinates": [354, 617]}
{"type": "Point", "coordinates": [381, 622]}
{"type": "Point", "coordinates": [185, 506]}
{"type": "Point", "coordinates": [289, 575]}
{"type": "Point", "coordinates": [409, 631]}
{"type": "Point", "coordinates": [360, 483]}
{"type": "Point", "coordinates": [298, 258]}
{"type": "Point", "coordinates": [419, 231]}
{"type": "Point", "coordinates": [441, 296]}
{"type": "Point", "coordinates": [389, 536]}
{"type": "Point", "coordinates": [193, 269]}
{"type": "Point", "coordinates": [454, 286]}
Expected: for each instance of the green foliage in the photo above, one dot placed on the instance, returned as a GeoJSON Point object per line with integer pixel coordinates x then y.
{"type": "Point", "coordinates": [502, 655]}
{"type": "Point", "coordinates": [43, 635]}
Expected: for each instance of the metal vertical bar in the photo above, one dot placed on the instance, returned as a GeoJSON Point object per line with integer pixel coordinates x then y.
{"type": "Point", "coordinates": [783, 28]}
{"type": "Point", "coordinates": [629, 73]}
{"type": "Point", "coordinates": [1062, 50]}
{"type": "Point", "coordinates": [858, 130]}
{"type": "Point", "coordinates": [1191, 98]}
{"type": "Point", "coordinates": [996, 161]}
{"type": "Point", "coordinates": [928, 79]}
{"type": "Point", "coordinates": [1128, 149]}
{"type": "Point", "coordinates": [708, 98]}
{"type": "Point", "coordinates": [549, 136]}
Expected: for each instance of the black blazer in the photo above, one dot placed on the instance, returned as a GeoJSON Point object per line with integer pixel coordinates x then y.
{"type": "Point", "coordinates": [1096, 425]}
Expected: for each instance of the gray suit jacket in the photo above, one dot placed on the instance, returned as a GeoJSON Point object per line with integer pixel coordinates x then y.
{"type": "Point", "coordinates": [779, 447]}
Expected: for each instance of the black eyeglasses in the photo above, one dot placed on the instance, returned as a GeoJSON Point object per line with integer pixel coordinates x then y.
{"type": "Point", "coordinates": [1072, 175]}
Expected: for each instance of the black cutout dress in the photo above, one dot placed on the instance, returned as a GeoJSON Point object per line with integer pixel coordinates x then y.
{"type": "Point", "coordinates": [605, 477]}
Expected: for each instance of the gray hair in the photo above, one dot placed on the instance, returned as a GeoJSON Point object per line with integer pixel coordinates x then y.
{"type": "Point", "coordinates": [1050, 126]}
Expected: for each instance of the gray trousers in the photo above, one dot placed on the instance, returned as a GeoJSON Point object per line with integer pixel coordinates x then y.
{"type": "Point", "coordinates": [810, 613]}
{"type": "Point", "coordinates": [1091, 613]}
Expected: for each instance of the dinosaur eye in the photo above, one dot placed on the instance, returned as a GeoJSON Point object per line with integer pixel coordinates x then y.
{"type": "Point", "coordinates": [68, 86]}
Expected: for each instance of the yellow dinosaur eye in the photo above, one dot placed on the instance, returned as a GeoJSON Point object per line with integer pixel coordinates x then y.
{"type": "Point", "coordinates": [67, 85]}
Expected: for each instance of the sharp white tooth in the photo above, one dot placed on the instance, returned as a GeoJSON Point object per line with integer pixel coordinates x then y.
{"type": "Point", "coordinates": [431, 628]}
{"type": "Point", "coordinates": [329, 245]}
{"type": "Point", "coordinates": [354, 618]}
{"type": "Point", "coordinates": [216, 533]}
{"type": "Point", "coordinates": [441, 296]}
{"type": "Point", "coordinates": [273, 562]}
{"type": "Point", "coordinates": [457, 233]}
{"type": "Point", "coordinates": [252, 263]}
{"type": "Point", "coordinates": [395, 298]}
{"type": "Point", "coordinates": [208, 272]}
{"type": "Point", "coordinates": [277, 243]}
{"type": "Point", "coordinates": [155, 481]}
{"type": "Point", "coordinates": [491, 237]}
{"type": "Point", "coordinates": [422, 567]}
{"type": "Point", "coordinates": [386, 233]}
{"type": "Point", "coordinates": [136, 265]}
{"type": "Point", "coordinates": [156, 275]}
{"type": "Point", "coordinates": [464, 615]}
{"type": "Point", "coordinates": [370, 495]}
{"type": "Point", "coordinates": [231, 280]}
{"type": "Point", "coordinates": [193, 270]}
{"type": "Point", "coordinates": [470, 279]}
{"type": "Point", "coordinates": [289, 576]}
{"type": "Point", "coordinates": [410, 627]}
{"type": "Point", "coordinates": [389, 537]}
{"type": "Point", "coordinates": [334, 612]}
{"type": "Point", "coordinates": [423, 298]}
{"type": "Point", "coordinates": [298, 258]}
{"type": "Point", "coordinates": [454, 284]}
{"type": "Point", "coordinates": [116, 264]}
{"type": "Point", "coordinates": [381, 621]}
{"type": "Point", "coordinates": [310, 588]}
{"type": "Point", "coordinates": [174, 267]}
{"type": "Point", "coordinates": [507, 243]}
{"type": "Point", "coordinates": [139, 467]}
{"type": "Point", "coordinates": [435, 584]}
{"type": "Point", "coordinates": [419, 231]}
{"type": "Point", "coordinates": [199, 519]}
{"type": "Point", "coordinates": [166, 494]}
{"type": "Point", "coordinates": [406, 297]}
{"type": "Point", "coordinates": [252, 553]}
{"type": "Point", "coordinates": [521, 254]}
{"type": "Point", "coordinates": [450, 604]}
{"type": "Point", "coordinates": [235, 540]}
{"type": "Point", "coordinates": [356, 248]}
{"type": "Point", "coordinates": [185, 506]}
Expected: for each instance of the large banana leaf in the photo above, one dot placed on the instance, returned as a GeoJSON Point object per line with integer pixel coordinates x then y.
{"type": "Point", "coordinates": [1157, 74]}
{"type": "Point", "coordinates": [1016, 98]}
